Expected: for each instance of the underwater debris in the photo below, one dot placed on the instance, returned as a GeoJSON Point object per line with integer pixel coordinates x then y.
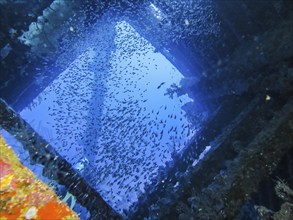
{"type": "Point", "coordinates": [285, 193]}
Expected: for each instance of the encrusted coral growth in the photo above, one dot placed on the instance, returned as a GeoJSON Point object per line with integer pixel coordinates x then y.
{"type": "Point", "coordinates": [23, 196]}
{"type": "Point", "coordinates": [285, 193]}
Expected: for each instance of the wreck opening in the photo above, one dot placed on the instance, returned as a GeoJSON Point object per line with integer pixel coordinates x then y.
{"type": "Point", "coordinates": [152, 109]}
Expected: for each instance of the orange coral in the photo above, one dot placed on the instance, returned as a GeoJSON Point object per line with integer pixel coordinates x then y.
{"type": "Point", "coordinates": [23, 195]}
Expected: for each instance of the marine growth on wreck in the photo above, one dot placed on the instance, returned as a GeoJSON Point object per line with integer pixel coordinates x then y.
{"type": "Point", "coordinates": [146, 109]}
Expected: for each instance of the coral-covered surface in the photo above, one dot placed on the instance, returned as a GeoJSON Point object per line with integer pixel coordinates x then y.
{"type": "Point", "coordinates": [23, 195]}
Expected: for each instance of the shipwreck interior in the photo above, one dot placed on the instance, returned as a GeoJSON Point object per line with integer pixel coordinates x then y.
{"type": "Point", "coordinates": [161, 109]}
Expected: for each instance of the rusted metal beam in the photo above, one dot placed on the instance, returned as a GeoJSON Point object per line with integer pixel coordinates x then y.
{"type": "Point", "coordinates": [224, 197]}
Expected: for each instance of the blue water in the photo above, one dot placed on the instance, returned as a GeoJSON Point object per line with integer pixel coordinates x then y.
{"type": "Point", "coordinates": [109, 113]}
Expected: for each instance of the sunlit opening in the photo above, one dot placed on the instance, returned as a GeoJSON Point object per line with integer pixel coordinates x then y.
{"type": "Point", "coordinates": [110, 115]}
